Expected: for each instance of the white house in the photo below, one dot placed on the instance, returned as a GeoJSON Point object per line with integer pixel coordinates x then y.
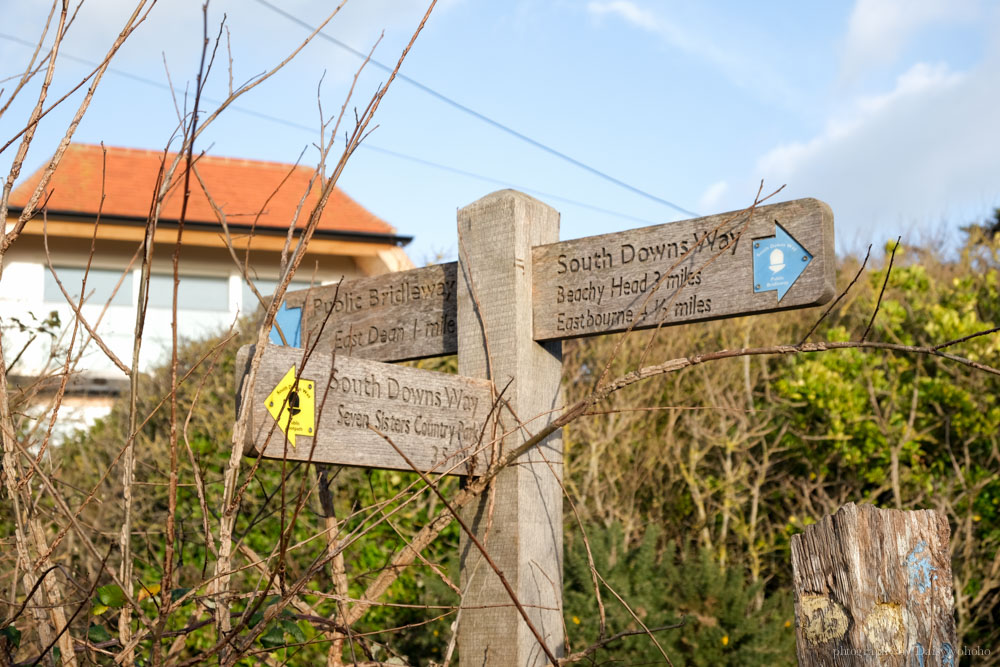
{"type": "Point", "coordinates": [258, 201]}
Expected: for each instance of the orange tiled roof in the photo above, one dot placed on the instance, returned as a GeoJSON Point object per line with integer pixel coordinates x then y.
{"type": "Point", "coordinates": [241, 188]}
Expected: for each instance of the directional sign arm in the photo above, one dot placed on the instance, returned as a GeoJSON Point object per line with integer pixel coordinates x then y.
{"type": "Point", "coordinates": [685, 271]}
{"type": "Point", "coordinates": [393, 317]}
{"type": "Point", "coordinates": [321, 412]}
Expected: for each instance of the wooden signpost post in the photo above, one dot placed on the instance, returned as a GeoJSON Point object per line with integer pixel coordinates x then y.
{"type": "Point", "coordinates": [505, 309]}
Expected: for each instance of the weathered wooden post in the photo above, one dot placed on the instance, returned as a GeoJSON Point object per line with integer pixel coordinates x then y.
{"type": "Point", "coordinates": [521, 525]}
{"type": "Point", "coordinates": [873, 587]}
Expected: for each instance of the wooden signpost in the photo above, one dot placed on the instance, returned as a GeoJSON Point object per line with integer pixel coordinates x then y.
{"type": "Point", "coordinates": [505, 309]}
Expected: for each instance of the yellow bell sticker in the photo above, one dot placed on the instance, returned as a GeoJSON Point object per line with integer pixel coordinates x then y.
{"type": "Point", "coordinates": [294, 408]}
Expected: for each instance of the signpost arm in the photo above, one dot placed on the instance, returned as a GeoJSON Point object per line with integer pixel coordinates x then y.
{"type": "Point", "coordinates": [520, 520]}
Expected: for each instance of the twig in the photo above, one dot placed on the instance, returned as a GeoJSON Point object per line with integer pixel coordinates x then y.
{"type": "Point", "coordinates": [839, 297]}
{"type": "Point", "coordinates": [30, 70]}
{"type": "Point", "coordinates": [638, 620]}
{"type": "Point", "coordinates": [79, 608]}
{"type": "Point", "coordinates": [29, 132]}
{"type": "Point", "coordinates": [171, 529]}
{"type": "Point", "coordinates": [26, 213]}
{"type": "Point", "coordinates": [60, 502]}
{"type": "Point", "coordinates": [601, 643]}
{"type": "Point", "coordinates": [31, 593]}
{"type": "Point", "coordinates": [603, 622]}
{"type": "Point", "coordinates": [78, 308]}
{"type": "Point", "coordinates": [239, 431]}
{"type": "Point", "coordinates": [885, 282]}
{"type": "Point", "coordinates": [199, 482]}
{"type": "Point", "coordinates": [228, 518]}
{"type": "Point", "coordinates": [965, 338]}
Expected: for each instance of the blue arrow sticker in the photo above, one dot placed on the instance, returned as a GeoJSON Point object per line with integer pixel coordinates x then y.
{"type": "Point", "coordinates": [778, 261]}
{"type": "Point", "coordinates": [290, 321]}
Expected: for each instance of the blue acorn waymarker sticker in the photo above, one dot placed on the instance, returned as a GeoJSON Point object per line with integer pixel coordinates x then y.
{"type": "Point", "coordinates": [778, 261]}
{"type": "Point", "coordinates": [290, 321]}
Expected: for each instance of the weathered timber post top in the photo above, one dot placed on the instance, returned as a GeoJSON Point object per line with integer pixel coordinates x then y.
{"type": "Point", "coordinates": [505, 307]}
{"type": "Point", "coordinates": [873, 587]}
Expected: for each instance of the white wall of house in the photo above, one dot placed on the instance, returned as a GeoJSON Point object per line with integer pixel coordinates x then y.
{"type": "Point", "coordinates": [211, 298]}
{"type": "Point", "coordinates": [207, 305]}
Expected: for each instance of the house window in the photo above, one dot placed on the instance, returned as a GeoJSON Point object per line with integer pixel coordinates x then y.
{"type": "Point", "coordinates": [193, 292]}
{"type": "Point", "coordinates": [266, 288]}
{"type": "Point", "coordinates": [100, 286]}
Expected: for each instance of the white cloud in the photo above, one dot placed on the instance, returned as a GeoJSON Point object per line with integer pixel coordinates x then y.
{"type": "Point", "coordinates": [626, 10]}
{"type": "Point", "coordinates": [259, 34]}
{"type": "Point", "coordinates": [878, 30]}
{"type": "Point", "coordinates": [919, 81]}
{"type": "Point", "coordinates": [920, 153]}
{"type": "Point", "coordinates": [741, 69]}
{"type": "Point", "coordinates": [674, 35]}
{"type": "Point", "coordinates": [710, 199]}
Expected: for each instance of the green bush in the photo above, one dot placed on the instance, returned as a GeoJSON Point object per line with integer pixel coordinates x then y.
{"type": "Point", "coordinates": [726, 619]}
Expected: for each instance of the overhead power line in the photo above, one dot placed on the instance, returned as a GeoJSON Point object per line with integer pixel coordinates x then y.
{"type": "Point", "coordinates": [365, 145]}
{"type": "Point", "coordinates": [506, 184]}
{"type": "Point", "coordinates": [480, 116]}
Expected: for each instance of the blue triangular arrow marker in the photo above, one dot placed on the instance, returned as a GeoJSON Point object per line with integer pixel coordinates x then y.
{"type": "Point", "coordinates": [778, 261]}
{"type": "Point", "coordinates": [290, 321]}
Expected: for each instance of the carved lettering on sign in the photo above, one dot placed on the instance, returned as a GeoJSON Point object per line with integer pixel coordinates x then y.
{"type": "Point", "coordinates": [677, 272]}
{"type": "Point", "coordinates": [436, 418]}
{"type": "Point", "coordinates": [395, 317]}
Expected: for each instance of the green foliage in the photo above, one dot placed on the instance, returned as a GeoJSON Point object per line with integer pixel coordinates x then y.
{"type": "Point", "coordinates": [876, 410]}
{"type": "Point", "coordinates": [736, 457]}
{"type": "Point", "coordinates": [12, 635]}
{"type": "Point", "coordinates": [48, 325]}
{"type": "Point", "coordinates": [98, 633]}
{"type": "Point", "coordinates": [280, 629]}
{"type": "Point", "coordinates": [111, 596]}
{"type": "Point", "coordinates": [758, 448]}
{"type": "Point", "coordinates": [727, 620]}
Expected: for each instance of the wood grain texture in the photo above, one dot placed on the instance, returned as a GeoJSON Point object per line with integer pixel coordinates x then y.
{"type": "Point", "coordinates": [393, 317]}
{"type": "Point", "coordinates": [436, 418]}
{"type": "Point", "coordinates": [522, 529]}
{"type": "Point", "coordinates": [873, 587]}
{"type": "Point", "coordinates": [703, 269]}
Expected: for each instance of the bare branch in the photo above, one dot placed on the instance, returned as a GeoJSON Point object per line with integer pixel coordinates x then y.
{"type": "Point", "coordinates": [885, 282]}
{"type": "Point", "coordinates": [839, 296]}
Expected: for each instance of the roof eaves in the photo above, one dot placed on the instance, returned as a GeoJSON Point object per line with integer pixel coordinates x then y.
{"type": "Point", "coordinates": [337, 234]}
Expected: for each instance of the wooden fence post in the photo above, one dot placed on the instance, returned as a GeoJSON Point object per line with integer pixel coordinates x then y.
{"type": "Point", "coordinates": [520, 521]}
{"type": "Point", "coordinates": [873, 587]}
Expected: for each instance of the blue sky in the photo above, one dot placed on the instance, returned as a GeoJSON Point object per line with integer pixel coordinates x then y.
{"type": "Point", "coordinates": [885, 109]}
